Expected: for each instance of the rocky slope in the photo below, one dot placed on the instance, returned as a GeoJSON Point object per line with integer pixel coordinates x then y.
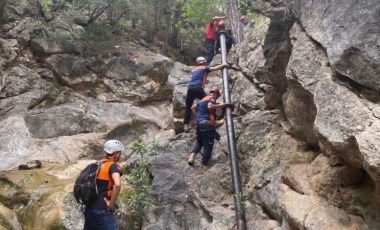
{"type": "Point", "coordinates": [306, 121]}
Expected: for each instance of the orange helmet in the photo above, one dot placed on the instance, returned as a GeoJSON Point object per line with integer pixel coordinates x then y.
{"type": "Point", "coordinates": [221, 24]}
{"type": "Point", "coordinates": [215, 89]}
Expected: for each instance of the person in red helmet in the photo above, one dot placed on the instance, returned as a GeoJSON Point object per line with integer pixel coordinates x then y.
{"type": "Point", "coordinates": [228, 36]}
{"type": "Point", "coordinates": [210, 37]}
{"type": "Point", "coordinates": [205, 120]}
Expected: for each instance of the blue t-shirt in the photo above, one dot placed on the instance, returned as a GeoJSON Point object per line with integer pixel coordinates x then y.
{"type": "Point", "coordinates": [199, 75]}
{"type": "Point", "coordinates": [203, 112]}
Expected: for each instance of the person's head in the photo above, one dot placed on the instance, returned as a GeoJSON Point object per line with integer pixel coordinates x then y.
{"type": "Point", "coordinates": [244, 20]}
{"type": "Point", "coordinates": [113, 149]}
{"type": "Point", "coordinates": [201, 60]}
{"type": "Point", "coordinates": [221, 24]}
{"type": "Point", "coordinates": [215, 92]}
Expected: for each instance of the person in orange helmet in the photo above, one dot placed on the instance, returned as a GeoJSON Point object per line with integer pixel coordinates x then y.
{"type": "Point", "coordinates": [205, 120]}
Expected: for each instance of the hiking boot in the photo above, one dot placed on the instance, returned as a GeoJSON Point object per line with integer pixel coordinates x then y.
{"type": "Point", "coordinates": [191, 159]}
{"type": "Point", "coordinates": [219, 123]}
{"type": "Point", "coordinates": [186, 128]}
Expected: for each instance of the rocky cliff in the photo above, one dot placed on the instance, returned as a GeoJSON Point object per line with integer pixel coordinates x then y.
{"type": "Point", "coordinates": [306, 93]}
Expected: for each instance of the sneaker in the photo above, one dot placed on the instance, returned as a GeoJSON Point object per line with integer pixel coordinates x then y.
{"type": "Point", "coordinates": [186, 127]}
{"type": "Point", "coordinates": [191, 159]}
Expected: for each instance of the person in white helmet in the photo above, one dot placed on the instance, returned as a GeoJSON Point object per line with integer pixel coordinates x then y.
{"type": "Point", "coordinates": [100, 214]}
{"type": "Point", "coordinates": [196, 86]}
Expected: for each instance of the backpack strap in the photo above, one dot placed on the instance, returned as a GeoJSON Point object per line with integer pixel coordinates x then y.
{"type": "Point", "coordinates": [99, 163]}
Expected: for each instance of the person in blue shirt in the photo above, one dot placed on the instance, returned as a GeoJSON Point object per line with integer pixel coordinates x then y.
{"type": "Point", "coordinates": [205, 120]}
{"type": "Point", "coordinates": [196, 86]}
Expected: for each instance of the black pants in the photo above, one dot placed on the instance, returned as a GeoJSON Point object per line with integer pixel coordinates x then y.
{"type": "Point", "coordinates": [210, 46]}
{"type": "Point", "coordinates": [205, 139]}
{"type": "Point", "coordinates": [193, 92]}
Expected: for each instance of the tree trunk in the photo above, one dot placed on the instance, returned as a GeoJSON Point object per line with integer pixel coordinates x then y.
{"type": "Point", "coordinates": [175, 31]}
{"type": "Point", "coordinates": [233, 16]}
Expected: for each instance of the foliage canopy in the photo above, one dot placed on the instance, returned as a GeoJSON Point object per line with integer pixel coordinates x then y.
{"type": "Point", "coordinates": [172, 24]}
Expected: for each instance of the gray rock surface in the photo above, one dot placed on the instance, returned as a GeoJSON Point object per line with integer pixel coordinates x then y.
{"type": "Point", "coordinates": [306, 120]}
{"type": "Point", "coordinates": [20, 79]}
{"type": "Point", "coordinates": [348, 32]}
{"type": "Point", "coordinates": [65, 120]}
{"type": "Point", "coordinates": [8, 51]}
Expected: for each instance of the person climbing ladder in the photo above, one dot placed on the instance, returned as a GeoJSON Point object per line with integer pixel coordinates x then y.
{"type": "Point", "coordinates": [205, 119]}
{"type": "Point", "coordinates": [210, 36]}
{"type": "Point", "coordinates": [196, 86]}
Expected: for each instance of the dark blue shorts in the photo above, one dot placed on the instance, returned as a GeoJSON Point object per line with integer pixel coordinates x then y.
{"type": "Point", "coordinates": [99, 220]}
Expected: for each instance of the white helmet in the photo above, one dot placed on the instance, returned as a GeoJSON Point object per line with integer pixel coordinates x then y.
{"type": "Point", "coordinates": [201, 60]}
{"type": "Point", "coordinates": [112, 146]}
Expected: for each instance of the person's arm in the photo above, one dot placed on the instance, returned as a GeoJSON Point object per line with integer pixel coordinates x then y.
{"type": "Point", "coordinates": [218, 67]}
{"type": "Point", "coordinates": [216, 18]}
{"type": "Point", "coordinates": [211, 106]}
{"type": "Point", "coordinates": [194, 109]}
{"type": "Point", "coordinates": [115, 191]}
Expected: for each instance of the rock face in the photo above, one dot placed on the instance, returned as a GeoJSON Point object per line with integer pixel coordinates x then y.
{"type": "Point", "coordinates": [306, 93]}
{"type": "Point", "coordinates": [327, 105]}
{"type": "Point", "coordinates": [351, 45]}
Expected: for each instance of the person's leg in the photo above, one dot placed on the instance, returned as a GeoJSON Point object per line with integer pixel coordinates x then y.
{"type": "Point", "coordinates": [200, 93]}
{"type": "Point", "coordinates": [189, 102]}
{"type": "Point", "coordinates": [195, 149]}
{"type": "Point", "coordinates": [110, 220]}
{"type": "Point", "coordinates": [89, 222]}
{"type": "Point", "coordinates": [209, 51]}
{"type": "Point", "coordinates": [208, 136]}
{"type": "Point", "coordinates": [105, 220]}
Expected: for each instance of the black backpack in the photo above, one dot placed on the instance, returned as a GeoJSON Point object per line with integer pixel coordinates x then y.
{"type": "Point", "coordinates": [85, 188]}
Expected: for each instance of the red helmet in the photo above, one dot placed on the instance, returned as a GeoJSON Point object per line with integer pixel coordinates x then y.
{"type": "Point", "coordinates": [221, 23]}
{"type": "Point", "coordinates": [215, 89]}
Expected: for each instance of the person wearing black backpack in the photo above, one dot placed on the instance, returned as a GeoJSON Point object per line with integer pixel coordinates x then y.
{"type": "Point", "coordinates": [100, 214]}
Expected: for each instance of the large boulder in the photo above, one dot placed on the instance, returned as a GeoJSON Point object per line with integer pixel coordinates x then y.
{"type": "Point", "coordinates": [61, 121]}
{"type": "Point", "coordinates": [12, 10]}
{"type": "Point", "coordinates": [136, 75]}
{"type": "Point", "coordinates": [314, 213]}
{"type": "Point", "coordinates": [17, 146]}
{"type": "Point", "coordinates": [256, 125]}
{"type": "Point", "coordinates": [351, 44]}
{"type": "Point", "coordinates": [20, 79]}
{"type": "Point", "coordinates": [344, 122]}
{"type": "Point", "coordinates": [21, 103]}
{"type": "Point", "coordinates": [22, 30]}
{"type": "Point", "coordinates": [8, 51]}
{"type": "Point", "coordinates": [247, 96]}
{"type": "Point", "coordinates": [263, 58]}
{"type": "Point", "coordinates": [251, 52]}
{"type": "Point", "coordinates": [179, 78]}
{"type": "Point", "coordinates": [139, 79]}
{"type": "Point", "coordinates": [274, 9]}
{"type": "Point", "coordinates": [43, 47]}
